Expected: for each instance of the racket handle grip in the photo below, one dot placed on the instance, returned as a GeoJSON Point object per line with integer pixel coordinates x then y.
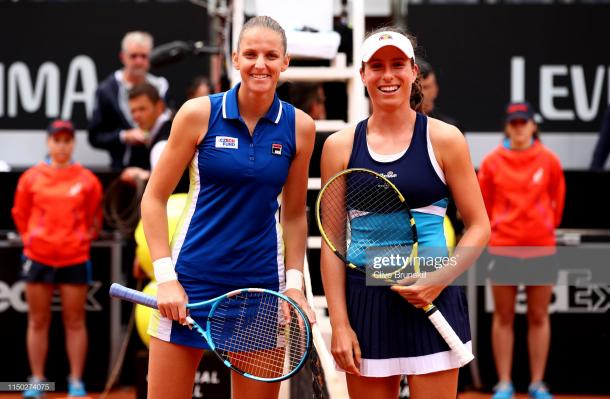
{"type": "Point", "coordinates": [454, 342]}
{"type": "Point", "coordinates": [128, 294]}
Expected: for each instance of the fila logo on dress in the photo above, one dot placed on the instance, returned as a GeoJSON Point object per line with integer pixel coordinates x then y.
{"type": "Point", "coordinates": [276, 149]}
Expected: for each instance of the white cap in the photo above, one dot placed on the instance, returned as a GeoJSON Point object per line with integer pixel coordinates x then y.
{"type": "Point", "coordinates": [386, 38]}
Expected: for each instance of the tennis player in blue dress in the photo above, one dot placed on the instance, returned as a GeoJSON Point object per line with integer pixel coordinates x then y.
{"type": "Point", "coordinates": [248, 152]}
{"type": "Point", "coordinates": [379, 333]}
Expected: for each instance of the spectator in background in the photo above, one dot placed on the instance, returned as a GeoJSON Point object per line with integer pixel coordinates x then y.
{"type": "Point", "coordinates": [524, 190]}
{"type": "Point", "coordinates": [430, 90]}
{"type": "Point", "coordinates": [57, 212]}
{"type": "Point", "coordinates": [602, 148]}
{"type": "Point", "coordinates": [112, 127]}
{"type": "Point", "coordinates": [199, 87]}
{"type": "Point", "coordinates": [154, 120]}
{"type": "Point", "coordinates": [151, 116]}
{"type": "Point", "coordinates": [310, 98]}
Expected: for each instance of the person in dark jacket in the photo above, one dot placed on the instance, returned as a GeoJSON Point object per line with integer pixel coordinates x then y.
{"type": "Point", "coordinates": [151, 116]}
{"type": "Point", "coordinates": [111, 126]}
{"type": "Point", "coordinates": [430, 89]}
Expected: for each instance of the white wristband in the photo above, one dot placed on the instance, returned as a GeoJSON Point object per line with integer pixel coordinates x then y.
{"type": "Point", "coordinates": [164, 270]}
{"type": "Point", "coordinates": [294, 279]}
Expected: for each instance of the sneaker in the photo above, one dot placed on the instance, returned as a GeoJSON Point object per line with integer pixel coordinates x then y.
{"type": "Point", "coordinates": [539, 390]}
{"type": "Point", "coordinates": [503, 390]}
{"type": "Point", "coordinates": [34, 393]}
{"type": "Point", "coordinates": [76, 388]}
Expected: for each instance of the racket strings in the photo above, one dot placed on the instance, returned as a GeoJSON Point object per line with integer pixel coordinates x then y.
{"type": "Point", "coordinates": [247, 331]}
{"type": "Point", "coordinates": [363, 216]}
{"type": "Point", "coordinates": [253, 333]}
{"type": "Point", "coordinates": [287, 356]}
{"type": "Point", "coordinates": [245, 337]}
{"type": "Point", "coordinates": [267, 363]}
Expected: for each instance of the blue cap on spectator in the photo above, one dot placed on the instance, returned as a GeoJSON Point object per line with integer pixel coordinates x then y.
{"type": "Point", "coordinates": [60, 126]}
{"type": "Point", "coordinates": [519, 110]}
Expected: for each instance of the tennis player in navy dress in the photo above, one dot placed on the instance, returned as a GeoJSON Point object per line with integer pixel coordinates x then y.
{"type": "Point", "coordinates": [248, 153]}
{"type": "Point", "coordinates": [379, 333]}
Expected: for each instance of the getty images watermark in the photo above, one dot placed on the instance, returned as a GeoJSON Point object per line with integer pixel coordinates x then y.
{"type": "Point", "coordinates": [396, 267]}
{"type": "Point", "coordinates": [570, 266]}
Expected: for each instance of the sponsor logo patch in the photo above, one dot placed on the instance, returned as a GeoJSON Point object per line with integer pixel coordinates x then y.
{"type": "Point", "coordinates": [276, 149]}
{"type": "Point", "coordinates": [226, 142]}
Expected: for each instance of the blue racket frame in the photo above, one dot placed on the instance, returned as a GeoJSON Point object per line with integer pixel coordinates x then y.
{"type": "Point", "coordinates": [128, 294]}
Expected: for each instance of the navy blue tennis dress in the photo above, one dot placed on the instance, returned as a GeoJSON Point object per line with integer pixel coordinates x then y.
{"type": "Point", "coordinates": [229, 235]}
{"type": "Point", "coordinates": [395, 337]}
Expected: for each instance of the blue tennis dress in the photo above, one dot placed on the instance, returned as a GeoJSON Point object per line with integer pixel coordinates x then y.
{"type": "Point", "coordinates": [395, 337]}
{"type": "Point", "coordinates": [229, 235]}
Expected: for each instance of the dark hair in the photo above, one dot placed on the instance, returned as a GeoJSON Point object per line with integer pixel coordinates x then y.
{"type": "Point", "coordinates": [425, 68]}
{"type": "Point", "coordinates": [145, 89]}
{"type": "Point", "coordinates": [197, 81]}
{"type": "Point", "coordinates": [304, 94]}
{"type": "Point", "coordinates": [417, 96]}
{"type": "Point", "coordinates": [263, 21]}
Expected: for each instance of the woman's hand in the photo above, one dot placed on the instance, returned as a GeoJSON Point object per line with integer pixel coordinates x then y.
{"type": "Point", "coordinates": [346, 349]}
{"type": "Point", "coordinates": [172, 300]}
{"type": "Point", "coordinates": [419, 294]}
{"type": "Point", "coordinates": [299, 298]}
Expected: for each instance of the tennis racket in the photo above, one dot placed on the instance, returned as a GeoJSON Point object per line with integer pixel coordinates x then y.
{"type": "Point", "coordinates": [364, 218]}
{"type": "Point", "coordinates": [259, 333]}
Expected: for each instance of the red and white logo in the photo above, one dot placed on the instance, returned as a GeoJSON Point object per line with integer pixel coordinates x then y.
{"type": "Point", "coordinates": [276, 149]}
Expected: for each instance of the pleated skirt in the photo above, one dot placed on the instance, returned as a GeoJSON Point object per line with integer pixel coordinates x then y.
{"type": "Point", "coordinates": [395, 337]}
